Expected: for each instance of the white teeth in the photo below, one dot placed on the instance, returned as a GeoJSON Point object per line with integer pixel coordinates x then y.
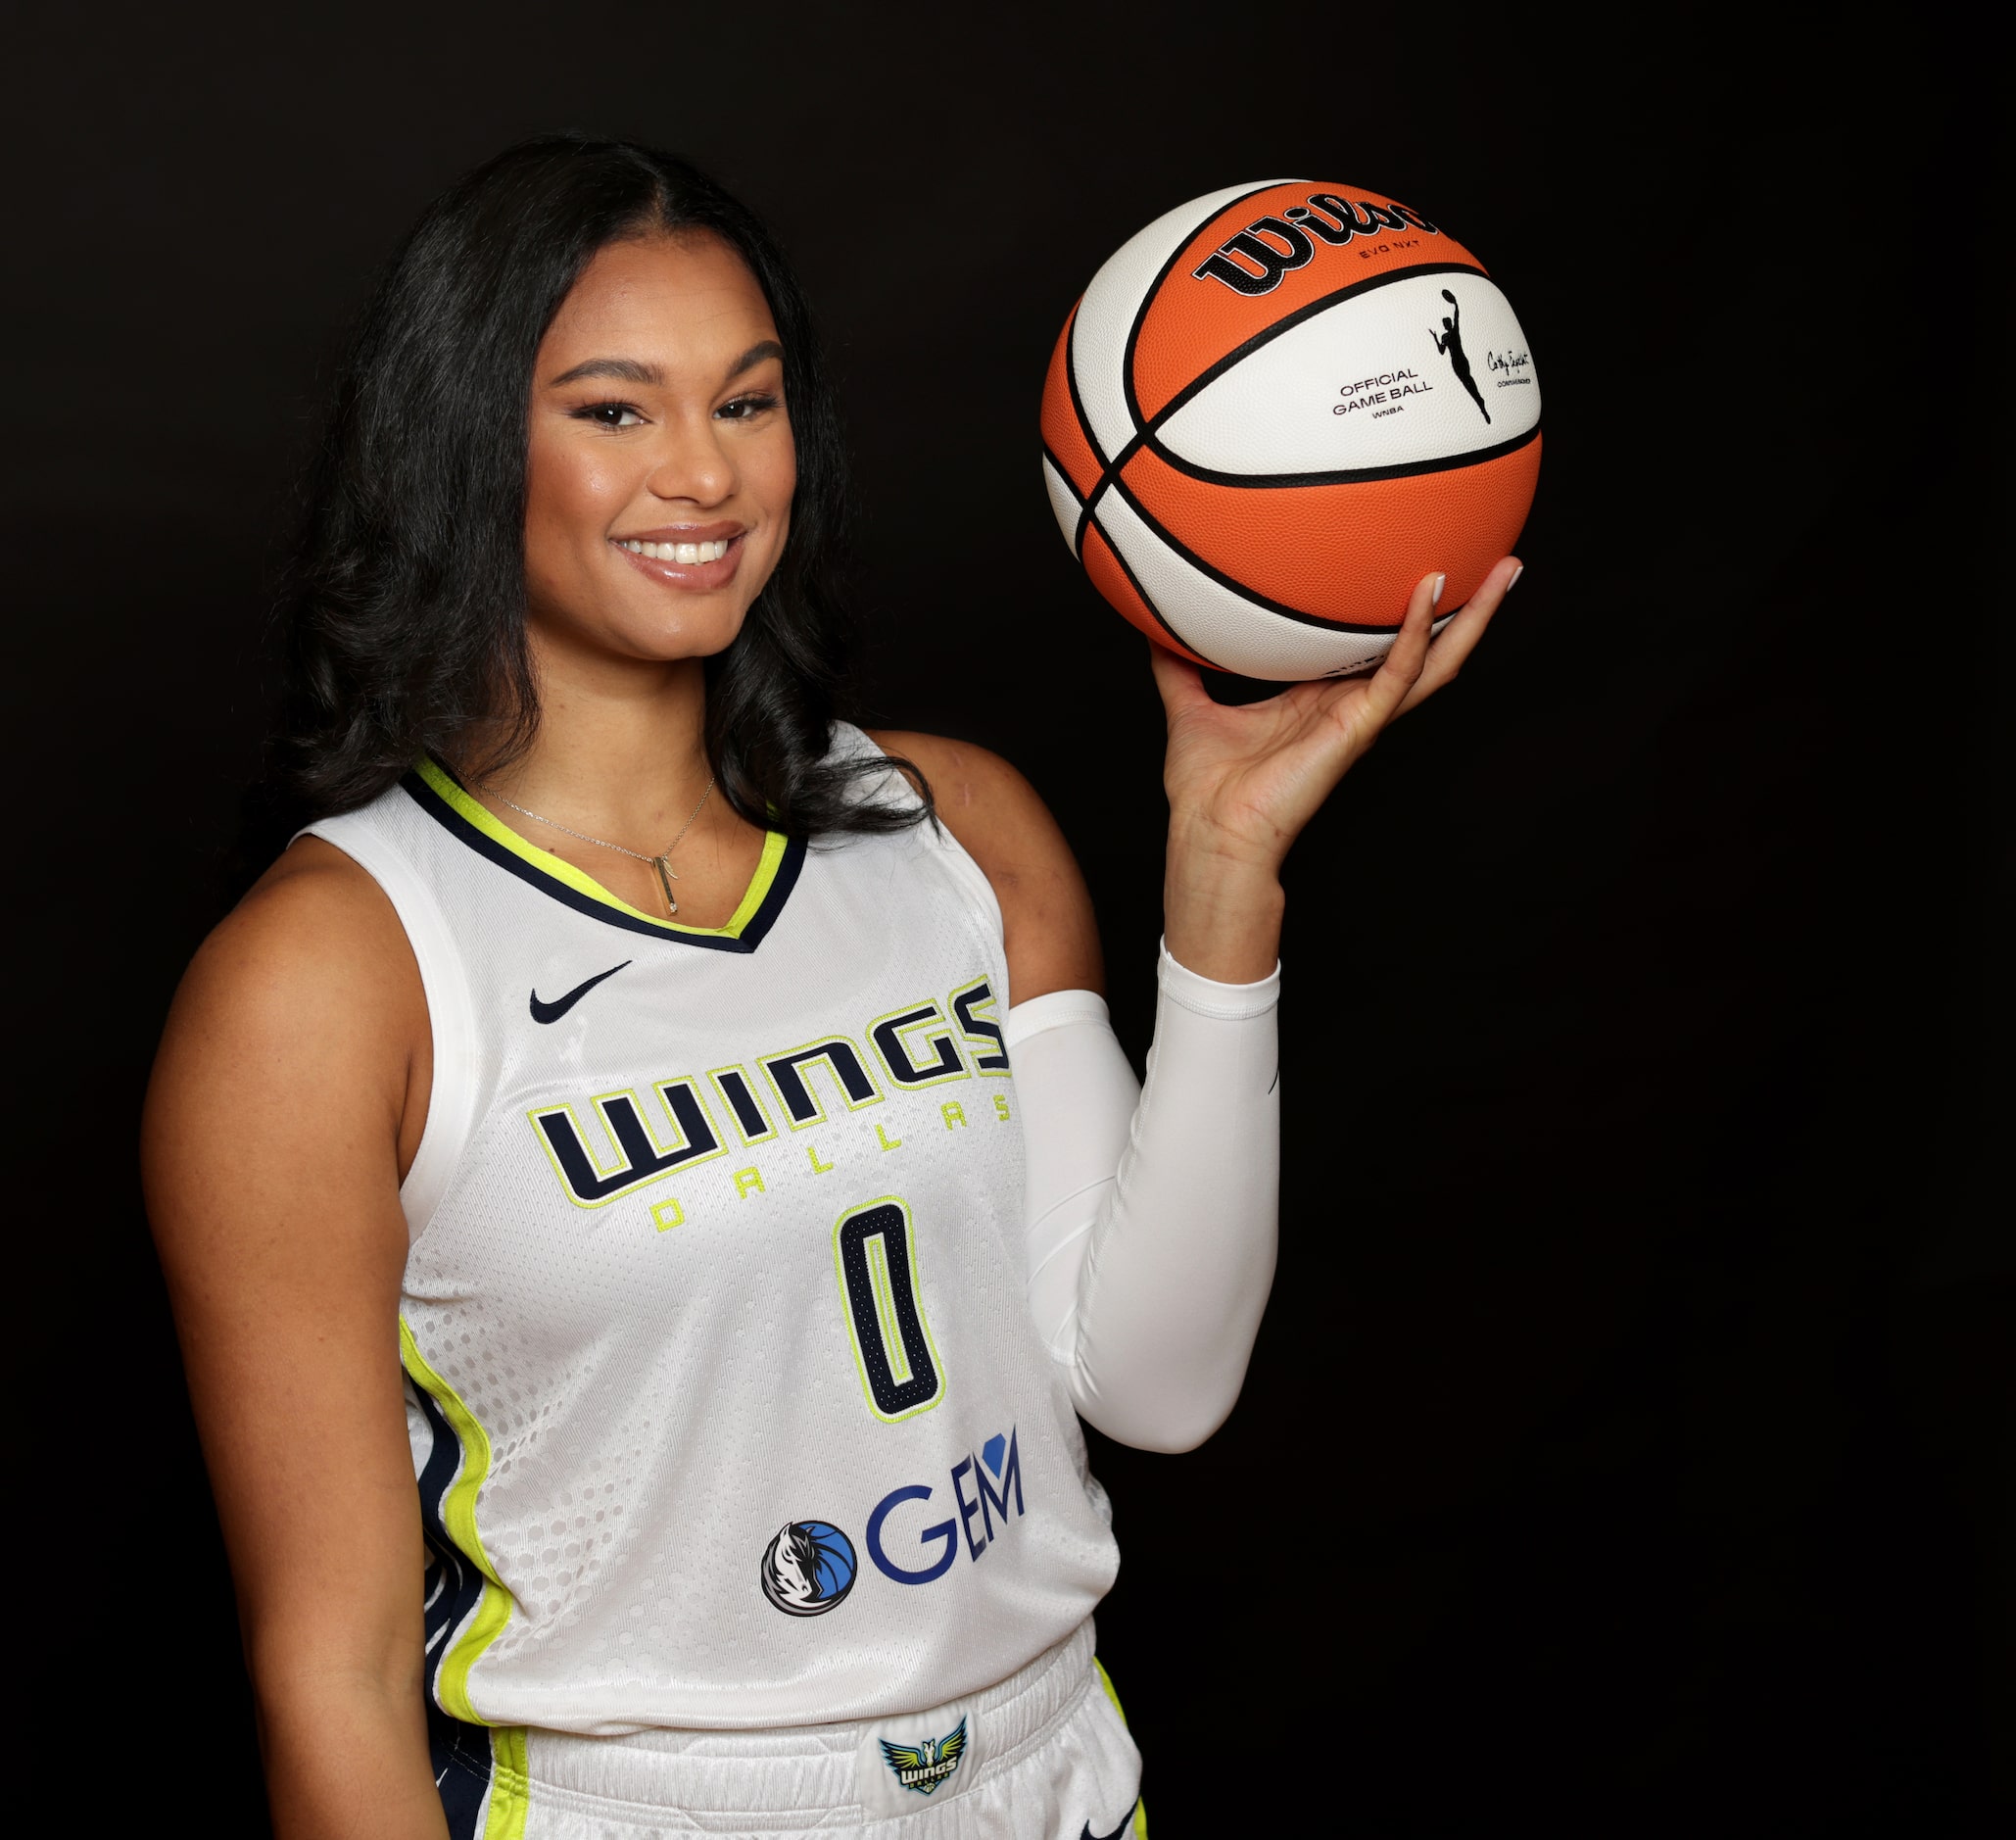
{"type": "Point", "coordinates": [688, 552]}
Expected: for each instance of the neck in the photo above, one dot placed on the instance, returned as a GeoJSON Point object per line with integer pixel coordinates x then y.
{"type": "Point", "coordinates": [620, 749]}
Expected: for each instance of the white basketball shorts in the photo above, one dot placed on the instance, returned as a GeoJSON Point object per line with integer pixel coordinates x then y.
{"type": "Point", "coordinates": [1044, 1755]}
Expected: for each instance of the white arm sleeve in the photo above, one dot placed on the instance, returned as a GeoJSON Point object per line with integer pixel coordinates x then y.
{"type": "Point", "coordinates": [1151, 1211]}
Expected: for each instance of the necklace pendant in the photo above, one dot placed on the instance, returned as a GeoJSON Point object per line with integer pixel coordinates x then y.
{"type": "Point", "coordinates": [665, 880]}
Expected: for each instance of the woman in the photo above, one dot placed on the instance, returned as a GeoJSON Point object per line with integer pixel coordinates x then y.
{"type": "Point", "coordinates": [629, 1045]}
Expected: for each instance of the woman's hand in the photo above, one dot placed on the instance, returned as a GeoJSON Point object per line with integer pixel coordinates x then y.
{"type": "Point", "coordinates": [1243, 781]}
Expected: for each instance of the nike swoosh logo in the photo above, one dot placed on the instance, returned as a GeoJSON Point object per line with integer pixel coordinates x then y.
{"type": "Point", "coordinates": [558, 1008]}
{"type": "Point", "coordinates": [1125, 1821]}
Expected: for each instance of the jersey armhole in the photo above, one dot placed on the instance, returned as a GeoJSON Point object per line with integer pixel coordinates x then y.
{"type": "Point", "coordinates": [451, 1017]}
{"type": "Point", "coordinates": [979, 895]}
{"type": "Point", "coordinates": [936, 838]}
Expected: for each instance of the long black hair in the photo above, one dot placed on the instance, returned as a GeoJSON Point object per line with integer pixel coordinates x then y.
{"type": "Point", "coordinates": [403, 614]}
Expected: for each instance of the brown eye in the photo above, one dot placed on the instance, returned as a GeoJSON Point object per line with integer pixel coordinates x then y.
{"type": "Point", "coordinates": [610, 414]}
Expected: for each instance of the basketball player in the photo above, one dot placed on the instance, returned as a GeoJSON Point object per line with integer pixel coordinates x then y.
{"type": "Point", "coordinates": [678, 1130]}
{"type": "Point", "coordinates": [1448, 342]}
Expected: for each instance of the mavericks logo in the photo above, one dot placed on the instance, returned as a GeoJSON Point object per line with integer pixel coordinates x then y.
{"type": "Point", "coordinates": [809, 1567]}
{"type": "Point", "coordinates": [924, 1766]}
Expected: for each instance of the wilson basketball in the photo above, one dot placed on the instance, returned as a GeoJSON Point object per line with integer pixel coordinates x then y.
{"type": "Point", "coordinates": [1273, 412]}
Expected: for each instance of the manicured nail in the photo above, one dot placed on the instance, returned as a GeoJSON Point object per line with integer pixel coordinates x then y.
{"type": "Point", "coordinates": [1435, 599]}
{"type": "Point", "coordinates": [1514, 582]}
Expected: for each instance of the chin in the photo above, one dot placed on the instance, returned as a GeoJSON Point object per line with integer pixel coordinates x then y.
{"type": "Point", "coordinates": [698, 635]}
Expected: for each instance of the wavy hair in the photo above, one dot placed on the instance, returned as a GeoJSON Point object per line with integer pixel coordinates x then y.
{"type": "Point", "coordinates": [403, 611]}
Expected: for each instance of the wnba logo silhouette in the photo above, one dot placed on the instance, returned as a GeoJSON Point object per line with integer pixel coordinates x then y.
{"type": "Point", "coordinates": [1448, 342]}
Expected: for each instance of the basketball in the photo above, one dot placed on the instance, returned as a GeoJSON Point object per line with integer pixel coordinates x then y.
{"type": "Point", "coordinates": [1273, 412]}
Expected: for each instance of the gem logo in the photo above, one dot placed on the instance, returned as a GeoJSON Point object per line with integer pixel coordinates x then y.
{"type": "Point", "coordinates": [809, 1567]}
{"type": "Point", "coordinates": [983, 1488]}
{"type": "Point", "coordinates": [924, 1766]}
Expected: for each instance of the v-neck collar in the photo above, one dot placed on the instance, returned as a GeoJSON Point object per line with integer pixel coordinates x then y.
{"type": "Point", "coordinates": [436, 791]}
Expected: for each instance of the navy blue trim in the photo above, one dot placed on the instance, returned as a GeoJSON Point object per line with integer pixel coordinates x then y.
{"type": "Point", "coordinates": [462, 1769]}
{"type": "Point", "coordinates": [751, 936]}
{"type": "Point", "coordinates": [453, 1587]}
{"type": "Point", "coordinates": [453, 1584]}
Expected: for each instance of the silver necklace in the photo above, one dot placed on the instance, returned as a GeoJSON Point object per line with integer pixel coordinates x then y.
{"type": "Point", "coordinates": [666, 873]}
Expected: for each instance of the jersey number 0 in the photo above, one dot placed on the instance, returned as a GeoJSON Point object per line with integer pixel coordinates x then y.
{"type": "Point", "coordinates": [875, 1258]}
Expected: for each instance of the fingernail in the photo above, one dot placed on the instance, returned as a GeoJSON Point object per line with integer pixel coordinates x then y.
{"type": "Point", "coordinates": [1514, 582]}
{"type": "Point", "coordinates": [1435, 599]}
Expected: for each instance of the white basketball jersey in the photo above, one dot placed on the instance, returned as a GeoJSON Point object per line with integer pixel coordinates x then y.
{"type": "Point", "coordinates": [726, 1406]}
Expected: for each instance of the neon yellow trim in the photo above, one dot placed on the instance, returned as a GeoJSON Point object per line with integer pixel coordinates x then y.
{"type": "Point", "coordinates": [885, 1323]}
{"type": "Point", "coordinates": [510, 1787]}
{"type": "Point", "coordinates": [459, 1515]}
{"type": "Point", "coordinates": [450, 794]}
{"type": "Point", "coordinates": [758, 887]}
{"type": "Point", "coordinates": [1106, 1681]}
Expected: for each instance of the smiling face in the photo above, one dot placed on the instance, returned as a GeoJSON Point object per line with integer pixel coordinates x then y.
{"type": "Point", "coordinates": [659, 465]}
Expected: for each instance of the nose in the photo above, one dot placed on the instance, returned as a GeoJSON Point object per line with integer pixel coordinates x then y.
{"type": "Point", "coordinates": [693, 465]}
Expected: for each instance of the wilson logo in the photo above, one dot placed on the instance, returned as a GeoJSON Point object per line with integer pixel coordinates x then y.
{"type": "Point", "coordinates": [1255, 261]}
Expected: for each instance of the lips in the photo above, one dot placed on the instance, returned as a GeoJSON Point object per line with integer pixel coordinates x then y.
{"type": "Point", "coordinates": [692, 557]}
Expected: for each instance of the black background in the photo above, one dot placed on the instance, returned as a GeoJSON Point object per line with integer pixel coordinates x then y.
{"type": "Point", "coordinates": [1627, 1445]}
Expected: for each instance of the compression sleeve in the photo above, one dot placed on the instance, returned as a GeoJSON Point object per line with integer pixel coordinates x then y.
{"type": "Point", "coordinates": [1151, 1210]}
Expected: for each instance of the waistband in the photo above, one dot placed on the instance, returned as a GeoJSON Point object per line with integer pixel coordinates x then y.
{"type": "Point", "coordinates": [801, 1768]}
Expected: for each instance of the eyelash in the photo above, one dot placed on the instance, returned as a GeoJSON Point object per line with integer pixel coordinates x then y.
{"type": "Point", "coordinates": [754, 405]}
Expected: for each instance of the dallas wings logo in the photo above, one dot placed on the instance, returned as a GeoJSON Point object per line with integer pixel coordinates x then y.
{"type": "Point", "coordinates": [924, 1766]}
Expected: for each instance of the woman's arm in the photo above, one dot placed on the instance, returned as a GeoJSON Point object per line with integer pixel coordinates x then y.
{"type": "Point", "coordinates": [287, 1098]}
{"type": "Point", "coordinates": [1152, 1217]}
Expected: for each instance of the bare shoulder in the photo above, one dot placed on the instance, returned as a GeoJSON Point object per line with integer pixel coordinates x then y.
{"type": "Point", "coordinates": [977, 790]}
{"type": "Point", "coordinates": [308, 989]}
{"type": "Point", "coordinates": [316, 931]}
{"type": "Point", "coordinates": [995, 813]}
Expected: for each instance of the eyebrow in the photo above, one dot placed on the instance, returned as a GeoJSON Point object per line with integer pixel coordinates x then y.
{"type": "Point", "coordinates": [632, 370]}
{"type": "Point", "coordinates": [622, 370]}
